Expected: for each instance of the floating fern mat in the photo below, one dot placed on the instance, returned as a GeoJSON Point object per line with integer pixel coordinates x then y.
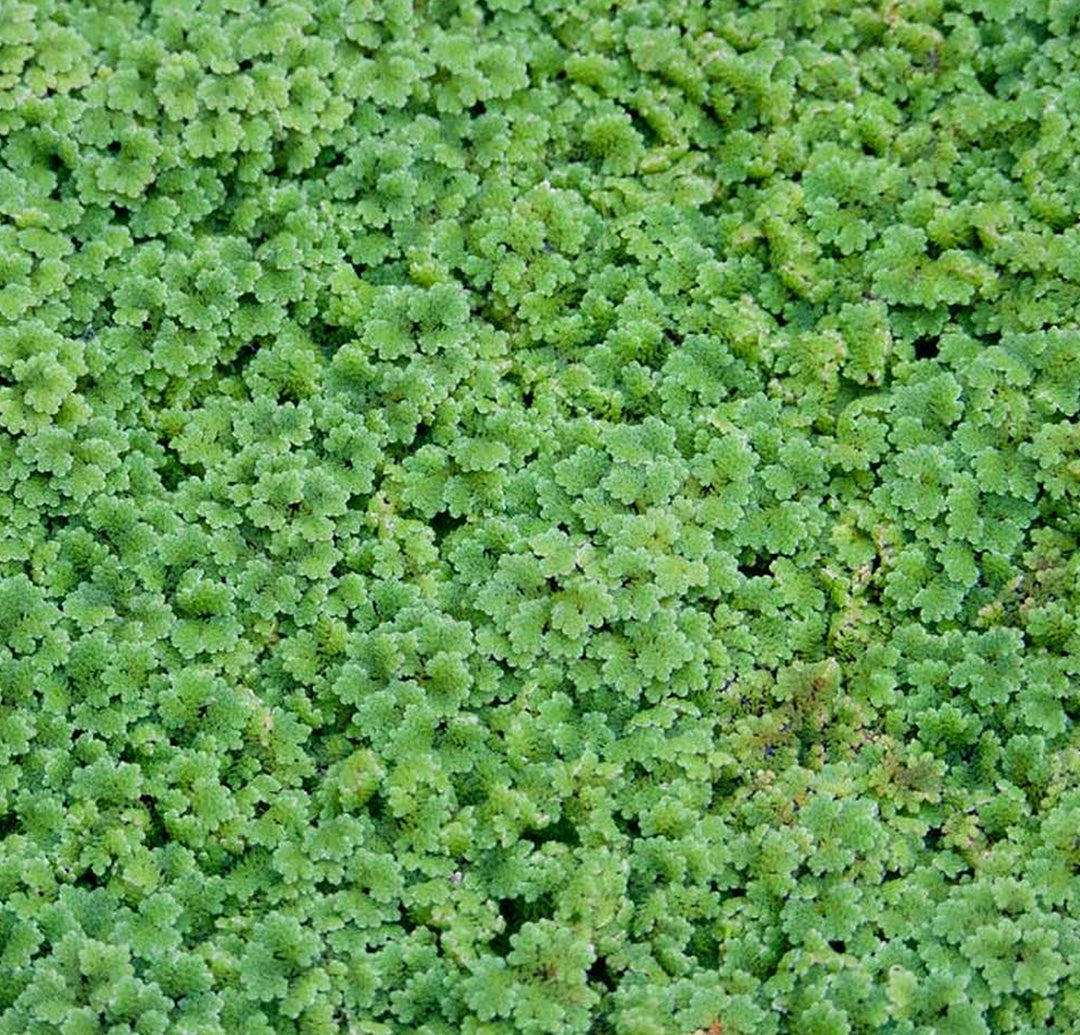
{"type": "Point", "coordinates": [539, 517]}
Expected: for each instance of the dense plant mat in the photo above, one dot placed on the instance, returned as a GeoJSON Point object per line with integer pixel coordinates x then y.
{"type": "Point", "coordinates": [539, 518]}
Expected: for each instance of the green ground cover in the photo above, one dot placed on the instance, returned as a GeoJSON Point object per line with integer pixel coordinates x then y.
{"type": "Point", "coordinates": [539, 517]}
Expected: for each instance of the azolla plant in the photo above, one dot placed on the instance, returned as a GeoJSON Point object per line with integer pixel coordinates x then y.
{"type": "Point", "coordinates": [539, 517]}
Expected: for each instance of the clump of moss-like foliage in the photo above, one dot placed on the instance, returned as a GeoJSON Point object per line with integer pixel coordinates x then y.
{"type": "Point", "coordinates": [539, 517]}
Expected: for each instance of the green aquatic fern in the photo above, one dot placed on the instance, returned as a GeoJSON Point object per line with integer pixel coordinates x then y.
{"type": "Point", "coordinates": [535, 517]}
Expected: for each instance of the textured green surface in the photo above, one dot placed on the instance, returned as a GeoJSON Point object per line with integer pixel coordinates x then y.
{"type": "Point", "coordinates": [539, 518]}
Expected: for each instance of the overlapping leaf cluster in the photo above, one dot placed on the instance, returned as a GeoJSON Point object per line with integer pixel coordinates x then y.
{"type": "Point", "coordinates": [542, 517]}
